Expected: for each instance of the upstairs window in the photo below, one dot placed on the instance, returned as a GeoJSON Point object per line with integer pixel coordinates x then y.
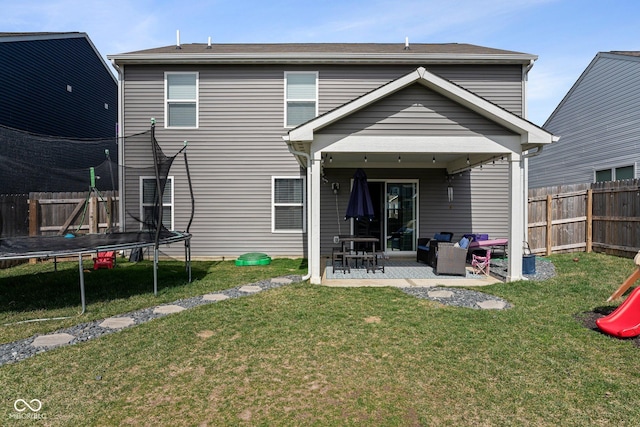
{"type": "Point", "coordinates": [288, 205]}
{"type": "Point", "coordinates": [181, 100]}
{"type": "Point", "coordinates": [301, 97]}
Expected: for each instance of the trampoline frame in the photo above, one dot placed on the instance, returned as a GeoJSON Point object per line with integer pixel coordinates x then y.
{"type": "Point", "coordinates": [176, 237]}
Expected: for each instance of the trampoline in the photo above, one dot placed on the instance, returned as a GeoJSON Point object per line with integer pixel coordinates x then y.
{"type": "Point", "coordinates": [47, 247]}
{"type": "Point", "coordinates": [152, 233]}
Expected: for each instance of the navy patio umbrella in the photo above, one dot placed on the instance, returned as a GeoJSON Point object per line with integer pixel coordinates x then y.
{"type": "Point", "coordinates": [360, 206]}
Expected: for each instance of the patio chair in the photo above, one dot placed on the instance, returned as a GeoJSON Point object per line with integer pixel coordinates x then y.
{"type": "Point", "coordinates": [339, 260]}
{"type": "Point", "coordinates": [451, 259]}
{"type": "Point", "coordinates": [424, 246]}
{"type": "Point", "coordinates": [481, 264]}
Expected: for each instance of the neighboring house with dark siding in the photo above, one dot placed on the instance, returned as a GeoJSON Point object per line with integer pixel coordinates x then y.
{"type": "Point", "coordinates": [598, 122]}
{"type": "Point", "coordinates": [274, 129]}
{"type": "Point", "coordinates": [54, 85]}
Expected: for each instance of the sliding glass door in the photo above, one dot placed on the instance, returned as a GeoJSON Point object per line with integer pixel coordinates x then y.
{"type": "Point", "coordinates": [401, 214]}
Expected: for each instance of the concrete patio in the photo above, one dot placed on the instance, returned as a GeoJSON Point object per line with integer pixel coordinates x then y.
{"type": "Point", "coordinates": [402, 273]}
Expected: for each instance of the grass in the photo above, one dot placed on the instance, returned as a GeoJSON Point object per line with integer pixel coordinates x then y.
{"type": "Point", "coordinates": [311, 355]}
{"type": "Point", "coordinates": [38, 291]}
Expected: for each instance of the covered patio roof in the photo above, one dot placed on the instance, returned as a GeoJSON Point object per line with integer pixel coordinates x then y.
{"type": "Point", "coordinates": [452, 152]}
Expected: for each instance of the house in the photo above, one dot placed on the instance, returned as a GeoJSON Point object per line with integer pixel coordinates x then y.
{"type": "Point", "coordinates": [598, 121]}
{"type": "Point", "coordinates": [276, 131]}
{"type": "Point", "coordinates": [55, 85]}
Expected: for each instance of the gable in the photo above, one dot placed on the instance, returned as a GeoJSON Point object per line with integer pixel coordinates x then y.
{"type": "Point", "coordinates": [415, 110]}
{"type": "Point", "coordinates": [531, 136]}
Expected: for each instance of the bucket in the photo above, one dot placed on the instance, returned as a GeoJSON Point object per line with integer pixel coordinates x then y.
{"type": "Point", "coordinates": [528, 261]}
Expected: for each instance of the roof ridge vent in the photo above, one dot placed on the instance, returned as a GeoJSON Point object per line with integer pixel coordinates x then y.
{"type": "Point", "coordinates": [406, 43]}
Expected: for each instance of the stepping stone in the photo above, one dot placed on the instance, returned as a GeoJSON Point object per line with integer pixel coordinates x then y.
{"type": "Point", "coordinates": [250, 289]}
{"type": "Point", "coordinates": [116, 322]}
{"type": "Point", "coordinates": [440, 294]}
{"type": "Point", "coordinates": [492, 305]}
{"type": "Point", "coordinates": [281, 280]}
{"type": "Point", "coordinates": [52, 340]}
{"type": "Point", "coordinates": [214, 297]}
{"type": "Point", "coordinates": [167, 309]}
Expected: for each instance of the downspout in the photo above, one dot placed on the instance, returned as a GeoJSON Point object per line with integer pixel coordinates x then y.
{"type": "Point", "coordinates": [309, 198]}
{"type": "Point", "coordinates": [120, 141]}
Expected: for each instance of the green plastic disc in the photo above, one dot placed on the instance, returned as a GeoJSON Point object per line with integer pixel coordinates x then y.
{"type": "Point", "coordinates": [253, 258]}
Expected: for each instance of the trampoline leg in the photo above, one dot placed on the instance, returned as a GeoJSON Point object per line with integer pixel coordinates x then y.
{"type": "Point", "coordinates": [81, 272]}
{"type": "Point", "coordinates": [155, 271]}
{"type": "Point", "coordinates": [187, 256]}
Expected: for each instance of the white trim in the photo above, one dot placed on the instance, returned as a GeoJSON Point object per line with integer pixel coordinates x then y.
{"type": "Point", "coordinates": [303, 205]}
{"type": "Point", "coordinates": [286, 100]}
{"type": "Point", "coordinates": [531, 134]}
{"type": "Point", "coordinates": [170, 182]}
{"type": "Point", "coordinates": [181, 101]}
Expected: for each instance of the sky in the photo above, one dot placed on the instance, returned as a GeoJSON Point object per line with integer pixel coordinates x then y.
{"type": "Point", "coordinates": [564, 34]}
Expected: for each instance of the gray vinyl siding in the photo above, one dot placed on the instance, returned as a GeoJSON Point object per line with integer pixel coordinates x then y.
{"type": "Point", "coordinates": [238, 148]}
{"type": "Point", "coordinates": [500, 84]}
{"type": "Point", "coordinates": [598, 122]}
{"type": "Point", "coordinates": [233, 155]}
{"type": "Point", "coordinates": [480, 202]}
{"type": "Point", "coordinates": [416, 110]}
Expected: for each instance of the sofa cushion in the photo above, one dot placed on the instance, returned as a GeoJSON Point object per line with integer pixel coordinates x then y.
{"type": "Point", "coordinates": [464, 243]}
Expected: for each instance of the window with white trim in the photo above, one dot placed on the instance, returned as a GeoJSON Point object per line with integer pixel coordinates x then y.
{"type": "Point", "coordinates": [148, 198]}
{"type": "Point", "coordinates": [288, 196]}
{"type": "Point", "coordinates": [615, 174]}
{"type": "Point", "coordinates": [301, 97]}
{"type": "Point", "coordinates": [181, 99]}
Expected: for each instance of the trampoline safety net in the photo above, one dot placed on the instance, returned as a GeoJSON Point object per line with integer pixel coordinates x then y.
{"type": "Point", "coordinates": [53, 188]}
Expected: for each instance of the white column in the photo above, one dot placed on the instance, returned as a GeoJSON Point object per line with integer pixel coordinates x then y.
{"type": "Point", "coordinates": [516, 218]}
{"type": "Point", "coordinates": [314, 227]}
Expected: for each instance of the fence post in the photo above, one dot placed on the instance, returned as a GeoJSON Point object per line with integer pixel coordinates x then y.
{"type": "Point", "coordinates": [34, 216]}
{"type": "Point", "coordinates": [589, 224]}
{"type": "Point", "coordinates": [549, 224]}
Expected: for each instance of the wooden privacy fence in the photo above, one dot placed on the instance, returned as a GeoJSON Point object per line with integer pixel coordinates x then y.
{"type": "Point", "coordinates": [603, 217]}
{"type": "Point", "coordinates": [83, 212]}
{"type": "Point", "coordinates": [14, 215]}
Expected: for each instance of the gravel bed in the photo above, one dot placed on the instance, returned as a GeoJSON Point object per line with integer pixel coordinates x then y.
{"type": "Point", "coordinates": [544, 269]}
{"type": "Point", "coordinates": [23, 349]}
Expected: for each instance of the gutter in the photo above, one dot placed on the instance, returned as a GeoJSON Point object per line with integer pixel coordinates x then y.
{"type": "Point", "coordinates": [121, 142]}
{"type": "Point", "coordinates": [309, 199]}
{"type": "Point", "coordinates": [318, 58]}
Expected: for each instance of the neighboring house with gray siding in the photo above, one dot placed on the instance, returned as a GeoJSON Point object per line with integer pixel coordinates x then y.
{"type": "Point", "coordinates": [598, 122]}
{"type": "Point", "coordinates": [274, 128]}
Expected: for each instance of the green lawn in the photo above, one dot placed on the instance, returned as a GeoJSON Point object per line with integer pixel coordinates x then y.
{"type": "Point", "coordinates": [311, 355]}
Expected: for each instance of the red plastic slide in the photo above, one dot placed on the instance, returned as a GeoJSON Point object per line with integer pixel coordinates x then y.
{"type": "Point", "coordinates": [624, 322]}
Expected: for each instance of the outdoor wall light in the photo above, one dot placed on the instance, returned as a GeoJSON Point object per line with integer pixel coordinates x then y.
{"type": "Point", "coordinates": [433, 160]}
{"type": "Point", "coordinates": [399, 159]}
{"type": "Point", "coordinates": [468, 159]}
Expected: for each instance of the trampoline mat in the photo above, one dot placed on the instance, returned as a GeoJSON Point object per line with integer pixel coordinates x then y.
{"type": "Point", "coordinates": [50, 246]}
